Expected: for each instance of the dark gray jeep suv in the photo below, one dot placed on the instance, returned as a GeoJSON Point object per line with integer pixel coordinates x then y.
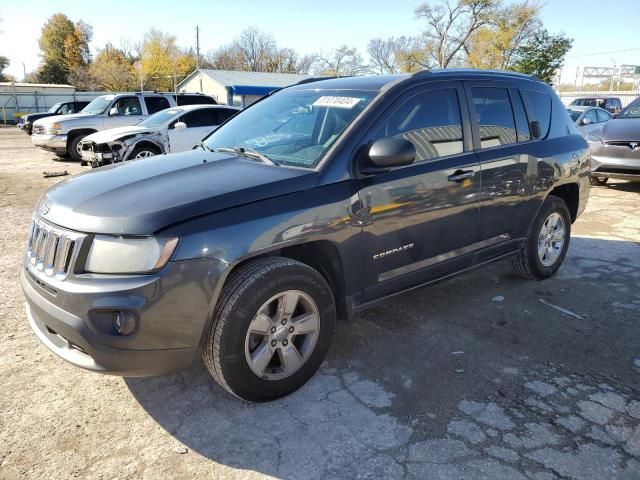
{"type": "Point", "coordinates": [314, 203]}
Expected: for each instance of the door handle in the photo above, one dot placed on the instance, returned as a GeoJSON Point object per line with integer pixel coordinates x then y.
{"type": "Point", "coordinates": [460, 175]}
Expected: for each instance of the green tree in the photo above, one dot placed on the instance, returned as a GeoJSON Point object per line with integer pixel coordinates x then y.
{"type": "Point", "coordinates": [112, 70]}
{"type": "Point", "coordinates": [163, 62]}
{"type": "Point", "coordinates": [543, 55]}
{"type": "Point", "coordinates": [494, 45]}
{"type": "Point", "coordinates": [64, 45]}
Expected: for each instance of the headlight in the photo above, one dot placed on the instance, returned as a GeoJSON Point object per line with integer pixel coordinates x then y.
{"type": "Point", "coordinates": [53, 129]}
{"type": "Point", "coordinates": [129, 255]}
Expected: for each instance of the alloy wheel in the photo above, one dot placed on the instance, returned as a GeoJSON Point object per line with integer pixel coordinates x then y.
{"type": "Point", "coordinates": [551, 239]}
{"type": "Point", "coordinates": [282, 335]}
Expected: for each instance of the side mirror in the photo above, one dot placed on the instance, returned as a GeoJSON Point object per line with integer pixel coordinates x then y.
{"type": "Point", "coordinates": [180, 126]}
{"type": "Point", "coordinates": [392, 152]}
{"type": "Point", "coordinates": [586, 121]}
{"type": "Point", "coordinates": [535, 129]}
{"type": "Point", "coordinates": [113, 111]}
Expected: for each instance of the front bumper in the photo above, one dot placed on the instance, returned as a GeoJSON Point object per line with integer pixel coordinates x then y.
{"type": "Point", "coordinates": [609, 161]}
{"type": "Point", "coordinates": [51, 143]}
{"type": "Point", "coordinates": [172, 307]}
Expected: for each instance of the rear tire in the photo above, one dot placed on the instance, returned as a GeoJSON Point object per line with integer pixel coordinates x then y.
{"type": "Point", "coordinates": [599, 182]}
{"type": "Point", "coordinates": [547, 242]}
{"type": "Point", "coordinates": [271, 329]}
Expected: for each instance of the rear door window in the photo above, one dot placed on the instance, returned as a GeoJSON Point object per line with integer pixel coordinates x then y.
{"type": "Point", "coordinates": [155, 104]}
{"type": "Point", "coordinates": [591, 116]}
{"type": "Point", "coordinates": [199, 118]}
{"type": "Point", "coordinates": [603, 116]}
{"type": "Point", "coordinates": [522, 122]}
{"type": "Point", "coordinates": [539, 109]}
{"type": "Point", "coordinates": [494, 115]}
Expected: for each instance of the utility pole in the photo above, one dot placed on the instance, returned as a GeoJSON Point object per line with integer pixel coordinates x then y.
{"type": "Point", "coordinates": [197, 47]}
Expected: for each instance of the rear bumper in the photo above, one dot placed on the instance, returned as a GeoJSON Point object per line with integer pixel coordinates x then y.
{"type": "Point", "coordinates": [51, 143]}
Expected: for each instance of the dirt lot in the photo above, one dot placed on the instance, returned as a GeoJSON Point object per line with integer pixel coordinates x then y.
{"type": "Point", "coordinates": [480, 377]}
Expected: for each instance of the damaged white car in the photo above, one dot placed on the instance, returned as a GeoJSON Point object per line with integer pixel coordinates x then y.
{"type": "Point", "coordinates": [172, 130]}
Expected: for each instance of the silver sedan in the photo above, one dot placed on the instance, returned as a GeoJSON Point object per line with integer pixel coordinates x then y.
{"type": "Point", "coordinates": [588, 118]}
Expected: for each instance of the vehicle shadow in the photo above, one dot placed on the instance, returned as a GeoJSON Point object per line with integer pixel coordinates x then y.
{"type": "Point", "coordinates": [623, 186]}
{"type": "Point", "coordinates": [390, 378]}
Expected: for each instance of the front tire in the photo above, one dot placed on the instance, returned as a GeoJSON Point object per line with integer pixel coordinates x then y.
{"type": "Point", "coordinates": [142, 152]}
{"type": "Point", "coordinates": [599, 182]}
{"type": "Point", "coordinates": [73, 147]}
{"type": "Point", "coordinates": [547, 243]}
{"type": "Point", "coordinates": [271, 329]}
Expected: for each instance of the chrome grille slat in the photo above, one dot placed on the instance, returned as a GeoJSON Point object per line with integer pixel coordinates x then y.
{"type": "Point", "coordinates": [51, 249]}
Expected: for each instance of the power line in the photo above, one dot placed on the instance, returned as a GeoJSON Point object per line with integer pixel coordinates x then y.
{"type": "Point", "coordinates": [604, 53]}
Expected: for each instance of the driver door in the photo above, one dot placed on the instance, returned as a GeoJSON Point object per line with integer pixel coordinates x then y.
{"type": "Point", "coordinates": [422, 219]}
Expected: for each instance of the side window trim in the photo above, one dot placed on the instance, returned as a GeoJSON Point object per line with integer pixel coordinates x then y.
{"type": "Point", "coordinates": [475, 127]}
{"type": "Point", "coordinates": [531, 111]}
{"type": "Point", "coordinates": [514, 96]}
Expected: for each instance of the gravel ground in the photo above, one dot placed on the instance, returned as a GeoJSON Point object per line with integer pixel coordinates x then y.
{"type": "Point", "coordinates": [480, 377]}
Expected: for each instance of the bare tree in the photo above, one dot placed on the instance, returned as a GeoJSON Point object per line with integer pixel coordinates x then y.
{"type": "Point", "coordinates": [343, 61]}
{"type": "Point", "coordinates": [449, 26]}
{"type": "Point", "coordinates": [255, 48]}
{"type": "Point", "coordinates": [392, 55]}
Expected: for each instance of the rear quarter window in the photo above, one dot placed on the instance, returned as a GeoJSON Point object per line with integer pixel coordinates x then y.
{"type": "Point", "coordinates": [539, 106]}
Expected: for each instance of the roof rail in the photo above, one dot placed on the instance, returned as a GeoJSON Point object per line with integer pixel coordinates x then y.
{"type": "Point", "coordinates": [312, 79]}
{"type": "Point", "coordinates": [475, 71]}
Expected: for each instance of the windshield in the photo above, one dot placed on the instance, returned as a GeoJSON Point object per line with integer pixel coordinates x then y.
{"type": "Point", "coordinates": [98, 105]}
{"type": "Point", "coordinates": [292, 127]}
{"type": "Point", "coordinates": [160, 118]}
{"type": "Point", "coordinates": [55, 108]}
{"type": "Point", "coordinates": [574, 114]}
{"type": "Point", "coordinates": [632, 110]}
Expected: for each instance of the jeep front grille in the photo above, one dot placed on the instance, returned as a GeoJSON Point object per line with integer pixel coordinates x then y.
{"type": "Point", "coordinates": [51, 249]}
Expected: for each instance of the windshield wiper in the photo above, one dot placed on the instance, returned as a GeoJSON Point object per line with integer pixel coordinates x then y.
{"type": "Point", "coordinates": [204, 147]}
{"type": "Point", "coordinates": [247, 153]}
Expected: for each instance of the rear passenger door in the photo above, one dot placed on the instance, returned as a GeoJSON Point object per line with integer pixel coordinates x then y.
{"type": "Point", "coordinates": [421, 220]}
{"type": "Point", "coordinates": [501, 132]}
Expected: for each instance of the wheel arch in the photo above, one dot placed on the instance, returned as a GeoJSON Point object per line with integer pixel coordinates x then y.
{"type": "Point", "coordinates": [79, 131]}
{"type": "Point", "coordinates": [145, 142]}
{"type": "Point", "coordinates": [321, 255]}
{"type": "Point", "coordinates": [570, 193]}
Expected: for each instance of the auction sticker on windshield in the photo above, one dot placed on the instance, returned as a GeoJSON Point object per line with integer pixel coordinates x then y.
{"type": "Point", "coordinates": [338, 102]}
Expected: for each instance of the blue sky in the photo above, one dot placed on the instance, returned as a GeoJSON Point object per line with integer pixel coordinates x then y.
{"type": "Point", "coordinates": [596, 26]}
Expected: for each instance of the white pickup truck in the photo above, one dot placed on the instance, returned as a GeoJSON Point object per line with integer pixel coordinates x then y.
{"type": "Point", "coordinates": [62, 134]}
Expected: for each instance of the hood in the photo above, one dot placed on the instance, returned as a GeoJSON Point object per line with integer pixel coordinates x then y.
{"type": "Point", "coordinates": [61, 118]}
{"type": "Point", "coordinates": [143, 197]}
{"type": "Point", "coordinates": [619, 130]}
{"type": "Point", "coordinates": [32, 117]}
{"type": "Point", "coordinates": [106, 136]}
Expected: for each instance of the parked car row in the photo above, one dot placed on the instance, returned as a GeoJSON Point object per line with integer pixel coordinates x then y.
{"type": "Point", "coordinates": [63, 134]}
{"type": "Point", "coordinates": [169, 131]}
